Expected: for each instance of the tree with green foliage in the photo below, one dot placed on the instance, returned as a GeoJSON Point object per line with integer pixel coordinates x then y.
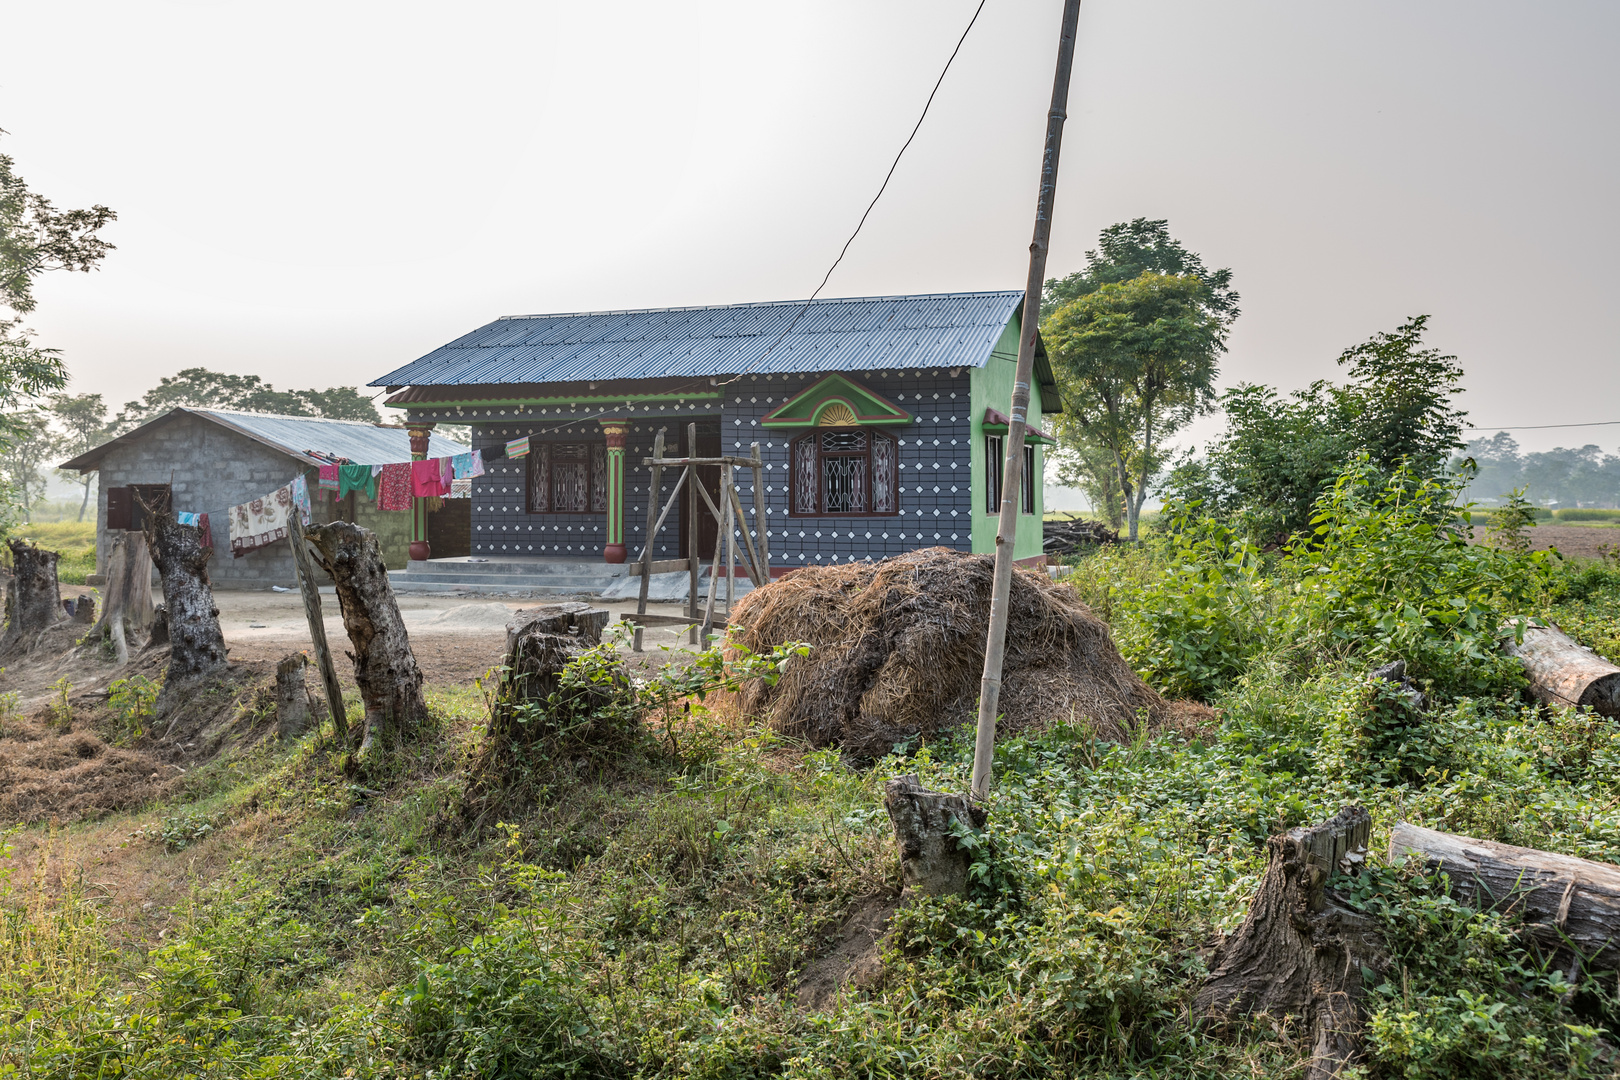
{"type": "Point", "coordinates": [1133, 248]}
{"type": "Point", "coordinates": [30, 446]}
{"type": "Point", "coordinates": [200, 388]}
{"type": "Point", "coordinates": [1136, 360]}
{"type": "Point", "coordinates": [1082, 462]}
{"type": "Point", "coordinates": [36, 238]}
{"type": "Point", "coordinates": [82, 422]}
{"type": "Point", "coordinates": [1279, 454]}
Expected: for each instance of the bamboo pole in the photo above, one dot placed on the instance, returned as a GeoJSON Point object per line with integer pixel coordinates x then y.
{"type": "Point", "coordinates": [646, 547]}
{"type": "Point", "coordinates": [1012, 486]}
{"type": "Point", "coordinates": [304, 570]}
{"type": "Point", "coordinates": [731, 541]}
{"type": "Point", "coordinates": [692, 561]}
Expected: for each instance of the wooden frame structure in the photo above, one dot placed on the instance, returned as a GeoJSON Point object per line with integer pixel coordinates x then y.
{"type": "Point", "coordinates": [730, 518]}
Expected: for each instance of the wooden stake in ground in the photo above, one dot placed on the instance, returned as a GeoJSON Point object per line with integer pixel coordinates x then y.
{"type": "Point", "coordinates": [309, 589]}
{"type": "Point", "coordinates": [384, 666]}
{"type": "Point", "coordinates": [1012, 477]}
{"type": "Point", "coordinates": [1564, 673]}
{"type": "Point", "coordinates": [33, 597]}
{"type": "Point", "coordinates": [292, 696]}
{"type": "Point", "coordinates": [196, 644]}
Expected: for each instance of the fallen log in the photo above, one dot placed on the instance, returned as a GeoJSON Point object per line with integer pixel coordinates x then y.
{"type": "Point", "coordinates": [1570, 907]}
{"type": "Point", "coordinates": [385, 669]}
{"type": "Point", "coordinates": [33, 597]}
{"type": "Point", "coordinates": [1300, 950]}
{"type": "Point", "coordinates": [1563, 672]}
{"type": "Point", "coordinates": [196, 643]}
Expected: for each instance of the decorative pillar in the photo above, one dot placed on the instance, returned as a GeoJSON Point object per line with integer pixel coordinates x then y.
{"type": "Point", "coordinates": [614, 551]}
{"type": "Point", "coordinates": [420, 432]}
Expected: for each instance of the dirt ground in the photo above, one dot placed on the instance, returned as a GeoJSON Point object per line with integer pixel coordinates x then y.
{"type": "Point", "coordinates": [1575, 541]}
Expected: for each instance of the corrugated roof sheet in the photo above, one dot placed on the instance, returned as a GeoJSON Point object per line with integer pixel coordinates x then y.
{"type": "Point", "coordinates": [862, 334]}
{"type": "Point", "coordinates": [295, 436]}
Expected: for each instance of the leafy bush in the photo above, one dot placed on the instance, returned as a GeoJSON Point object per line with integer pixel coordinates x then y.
{"type": "Point", "coordinates": [132, 700]}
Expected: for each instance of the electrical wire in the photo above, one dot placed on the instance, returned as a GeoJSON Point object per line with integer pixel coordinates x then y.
{"type": "Point", "coordinates": [869, 206]}
{"type": "Point", "coordinates": [1535, 427]}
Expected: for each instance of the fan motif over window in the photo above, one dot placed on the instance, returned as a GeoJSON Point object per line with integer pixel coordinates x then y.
{"type": "Point", "coordinates": [844, 470]}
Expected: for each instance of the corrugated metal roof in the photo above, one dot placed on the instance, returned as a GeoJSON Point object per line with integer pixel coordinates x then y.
{"type": "Point", "coordinates": [862, 334]}
{"type": "Point", "coordinates": [295, 436]}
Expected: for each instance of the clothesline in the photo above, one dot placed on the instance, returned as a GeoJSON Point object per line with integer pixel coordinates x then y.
{"type": "Point", "coordinates": [394, 486]}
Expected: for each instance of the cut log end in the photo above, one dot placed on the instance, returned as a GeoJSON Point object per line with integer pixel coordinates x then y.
{"type": "Point", "coordinates": [1564, 672]}
{"type": "Point", "coordinates": [932, 863]}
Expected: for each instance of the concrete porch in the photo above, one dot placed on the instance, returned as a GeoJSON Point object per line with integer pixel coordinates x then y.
{"type": "Point", "coordinates": [536, 575]}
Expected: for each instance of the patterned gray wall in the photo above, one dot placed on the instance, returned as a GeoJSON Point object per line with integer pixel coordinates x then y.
{"type": "Point", "coordinates": [935, 486]}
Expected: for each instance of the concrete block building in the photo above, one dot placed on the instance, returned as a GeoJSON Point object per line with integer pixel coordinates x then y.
{"type": "Point", "coordinates": [208, 460]}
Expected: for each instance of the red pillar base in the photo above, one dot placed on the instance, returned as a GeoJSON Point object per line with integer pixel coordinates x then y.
{"type": "Point", "coordinates": [419, 551]}
{"type": "Point", "coordinates": [614, 553]}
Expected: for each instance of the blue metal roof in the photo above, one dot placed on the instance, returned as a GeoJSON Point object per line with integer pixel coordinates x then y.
{"type": "Point", "coordinates": [863, 334]}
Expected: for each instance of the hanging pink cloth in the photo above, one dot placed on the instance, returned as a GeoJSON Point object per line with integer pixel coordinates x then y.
{"type": "Point", "coordinates": [427, 479]}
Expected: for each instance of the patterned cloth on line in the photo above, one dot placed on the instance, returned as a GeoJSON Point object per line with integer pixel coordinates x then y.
{"type": "Point", "coordinates": [356, 478]}
{"type": "Point", "coordinates": [261, 522]}
{"type": "Point", "coordinates": [186, 519]}
{"type": "Point", "coordinates": [300, 493]}
{"type": "Point", "coordinates": [518, 448]}
{"type": "Point", "coordinates": [460, 489]}
{"type": "Point", "coordinates": [329, 477]}
{"type": "Point", "coordinates": [447, 473]}
{"type": "Point", "coordinates": [395, 487]}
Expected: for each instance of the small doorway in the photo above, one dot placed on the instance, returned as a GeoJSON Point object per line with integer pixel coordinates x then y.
{"type": "Point", "coordinates": [708, 445]}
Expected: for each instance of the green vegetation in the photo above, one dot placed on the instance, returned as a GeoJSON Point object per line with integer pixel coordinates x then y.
{"type": "Point", "coordinates": [1587, 515]}
{"type": "Point", "coordinates": [644, 901]}
{"type": "Point", "coordinates": [73, 541]}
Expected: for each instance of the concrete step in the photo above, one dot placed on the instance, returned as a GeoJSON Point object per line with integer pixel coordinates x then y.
{"type": "Point", "coordinates": [476, 567]}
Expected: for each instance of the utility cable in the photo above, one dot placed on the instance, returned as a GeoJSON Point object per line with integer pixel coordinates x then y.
{"type": "Point", "coordinates": [1534, 427]}
{"type": "Point", "coordinates": [869, 206]}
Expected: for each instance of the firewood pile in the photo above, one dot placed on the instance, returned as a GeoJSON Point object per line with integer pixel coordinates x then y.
{"type": "Point", "coordinates": [1070, 537]}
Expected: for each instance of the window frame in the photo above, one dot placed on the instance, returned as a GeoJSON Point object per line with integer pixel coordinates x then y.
{"type": "Point", "coordinates": [812, 438]}
{"type": "Point", "coordinates": [995, 468]}
{"type": "Point", "coordinates": [539, 476]}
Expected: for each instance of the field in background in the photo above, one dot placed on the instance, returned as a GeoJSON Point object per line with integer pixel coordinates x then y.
{"type": "Point", "coordinates": [74, 541]}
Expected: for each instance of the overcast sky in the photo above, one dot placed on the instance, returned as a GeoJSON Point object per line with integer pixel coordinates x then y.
{"type": "Point", "coordinates": [317, 193]}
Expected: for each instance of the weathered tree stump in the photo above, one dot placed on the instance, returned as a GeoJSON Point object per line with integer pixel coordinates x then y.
{"type": "Point", "coordinates": [84, 610]}
{"type": "Point", "coordinates": [931, 861]}
{"type": "Point", "coordinates": [384, 667]}
{"type": "Point", "coordinates": [126, 597]}
{"type": "Point", "coordinates": [540, 642]}
{"type": "Point", "coordinates": [1299, 951]}
{"type": "Point", "coordinates": [1570, 907]}
{"type": "Point", "coordinates": [33, 597]}
{"type": "Point", "coordinates": [159, 636]}
{"type": "Point", "coordinates": [196, 644]}
{"type": "Point", "coordinates": [292, 696]}
{"type": "Point", "coordinates": [1564, 673]}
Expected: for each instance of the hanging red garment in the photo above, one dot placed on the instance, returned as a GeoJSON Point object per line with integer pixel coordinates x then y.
{"type": "Point", "coordinates": [394, 487]}
{"type": "Point", "coordinates": [427, 479]}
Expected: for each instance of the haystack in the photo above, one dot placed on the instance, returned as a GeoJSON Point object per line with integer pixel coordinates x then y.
{"type": "Point", "coordinates": [897, 650]}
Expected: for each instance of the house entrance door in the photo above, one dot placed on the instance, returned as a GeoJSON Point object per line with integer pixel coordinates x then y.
{"type": "Point", "coordinates": [708, 445]}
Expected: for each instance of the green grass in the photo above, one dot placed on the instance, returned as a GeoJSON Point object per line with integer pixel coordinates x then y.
{"type": "Point", "coordinates": [73, 541]}
{"type": "Point", "coordinates": [1575, 515]}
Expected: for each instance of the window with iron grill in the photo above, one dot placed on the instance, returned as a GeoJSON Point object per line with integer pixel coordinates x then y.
{"type": "Point", "coordinates": [568, 478]}
{"type": "Point", "coordinates": [845, 471]}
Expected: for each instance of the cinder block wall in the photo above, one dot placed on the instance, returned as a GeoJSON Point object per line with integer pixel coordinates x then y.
{"type": "Point", "coordinates": [212, 469]}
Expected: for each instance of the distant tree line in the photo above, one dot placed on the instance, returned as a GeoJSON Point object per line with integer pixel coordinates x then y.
{"type": "Point", "coordinates": [1560, 477]}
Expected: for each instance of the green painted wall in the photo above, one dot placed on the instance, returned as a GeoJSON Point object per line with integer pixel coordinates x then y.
{"type": "Point", "coordinates": [991, 387]}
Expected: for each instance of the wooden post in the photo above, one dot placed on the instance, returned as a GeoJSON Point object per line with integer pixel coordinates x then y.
{"type": "Point", "coordinates": [729, 525]}
{"type": "Point", "coordinates": [692, 561]}
{"type": "Point", "coordinates": [749, 552]}
{"type": "Point", "coordinates": [761, 519]}
{"type": "Point", "coordinates": [1012, 475]}
{"type": "Point", "coordinates": [714, 583]}
{"type": "Point", "coordinates": [304, 569]}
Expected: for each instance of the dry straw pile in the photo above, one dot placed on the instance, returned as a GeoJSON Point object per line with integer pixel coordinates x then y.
{"type": "Point", "coordinates": [898, 650]}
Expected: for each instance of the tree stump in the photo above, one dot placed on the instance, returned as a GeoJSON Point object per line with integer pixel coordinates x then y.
{"type": "Point", "coordinates": [126, 606]}
{"type": "Point", "coordinates": [196, 643]}
{"type": "Point", "coordinates": [84, 610]}
{"type": "Point", "coordinates": [159, 636]}
{"type": "Point", "coordinates": [931, 861]}
{"type": "Point", "coordinates": [34, 600]}
{"type": "Point", "coordinates": [540, 642]}
{"type": "Point", "coordinates": [384, 667]}
{"type": "Point", "coordinates": [1564, 673]}
{"type": "Point", "coordinates": [1570, 906]}
{"type": "Point", "coordinates": [1300, 951]}
{"type": "Point", "coordinates": [292, 696]}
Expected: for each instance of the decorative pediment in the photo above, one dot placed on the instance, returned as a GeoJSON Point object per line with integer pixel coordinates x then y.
{"type": "Point", "coordinates": [996, 422]}
{"type": "Point", "coordinates": [835, 401]}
